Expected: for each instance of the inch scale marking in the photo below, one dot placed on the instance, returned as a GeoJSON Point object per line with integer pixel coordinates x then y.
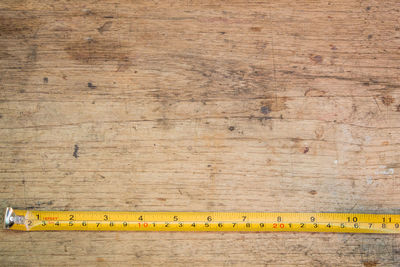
{"type": "Point", "coordinates": [32, 220]}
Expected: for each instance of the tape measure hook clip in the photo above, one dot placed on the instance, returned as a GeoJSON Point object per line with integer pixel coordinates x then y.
{"type": "Point", "coordinates": [10, 218]}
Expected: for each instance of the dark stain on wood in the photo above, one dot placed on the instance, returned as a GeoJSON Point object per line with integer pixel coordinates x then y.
{"type": "Point", "coordinates": [273, 104]}
{"type": "Point", "coordinates": [387, 100]}
{"type": "Point", "coordinates": [101, 51]}
{"type": "Point", "coordinates": [91, 85]}
{"type": "Point", "coordinates": [265, 109]}
{"type": "Point", "coordinates": [316, 59]}
{"type": "Point", "coordinates": [18, 27]}
{"type": "Point", "coordinates": [312, 192]}
{"type": "Point", "coordinates": [370, 263]}
{"type": "Point", "coordinates": [22, 30]}
{"type": "Point", "coordinates": [165, 123]}
{"type": "Point", "coordinates": [255, 29]}
{"type": "Point", "coordinates": [76, 149]}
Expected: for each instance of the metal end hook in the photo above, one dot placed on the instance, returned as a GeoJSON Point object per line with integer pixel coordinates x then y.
{"type": "Point", "coordinates": [9, 218]}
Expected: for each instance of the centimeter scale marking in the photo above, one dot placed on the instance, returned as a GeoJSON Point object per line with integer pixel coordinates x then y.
{"type": "Point", "coordinates": [32, 220]}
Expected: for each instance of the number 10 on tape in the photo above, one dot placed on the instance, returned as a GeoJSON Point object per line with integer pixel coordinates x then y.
{"type": "Point", "coordinates": [33, 220]}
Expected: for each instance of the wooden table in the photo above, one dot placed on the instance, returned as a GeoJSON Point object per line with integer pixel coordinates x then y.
{"type": "Point", "coordinates": [200, 106]}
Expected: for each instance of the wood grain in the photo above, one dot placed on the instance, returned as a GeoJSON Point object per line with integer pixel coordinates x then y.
{"type": "Point", "coordinates": [200, 106]}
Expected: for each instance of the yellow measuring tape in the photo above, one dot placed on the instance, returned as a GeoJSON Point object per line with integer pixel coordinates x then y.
{"type": "Point", "coordinates": [33, 220]}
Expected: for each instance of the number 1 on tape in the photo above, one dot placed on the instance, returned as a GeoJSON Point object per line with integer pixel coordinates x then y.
{"type": "Point", "coordinates": [32, 220]}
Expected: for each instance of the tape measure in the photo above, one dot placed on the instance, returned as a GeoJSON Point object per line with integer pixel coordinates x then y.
{"type": "Point", "coordinates": [33, 220]}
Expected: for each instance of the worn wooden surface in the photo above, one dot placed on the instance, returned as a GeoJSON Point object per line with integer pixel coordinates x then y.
{"type": "Point", "coordinates": [200, 106]}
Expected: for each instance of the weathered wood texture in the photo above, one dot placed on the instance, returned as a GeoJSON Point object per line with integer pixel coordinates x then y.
{"type": "Point", "coordinates": [199, 106]}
